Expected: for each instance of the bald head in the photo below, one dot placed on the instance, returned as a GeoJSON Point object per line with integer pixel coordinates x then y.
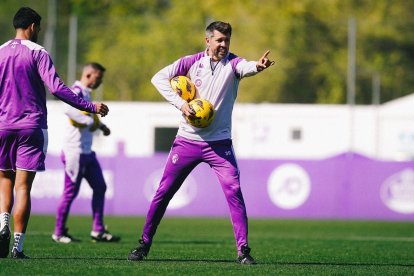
{"type": "Point", "coordinates": [92, 75]}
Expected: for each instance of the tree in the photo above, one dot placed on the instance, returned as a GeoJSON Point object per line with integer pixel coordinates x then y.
{"type": "Point", "coordinates": [307, 38]}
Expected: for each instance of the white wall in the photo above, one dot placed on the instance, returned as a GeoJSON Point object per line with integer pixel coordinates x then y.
{"type": "Point", "coordinates": [264, 130]}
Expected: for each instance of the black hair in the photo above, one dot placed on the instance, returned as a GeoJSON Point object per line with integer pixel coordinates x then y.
{"type": "Point", "coordinates": [96, 66]}
{"type": "Point", "coordinates": [25, 17]}
{"type": "Point", "coordinates": [222, 27]}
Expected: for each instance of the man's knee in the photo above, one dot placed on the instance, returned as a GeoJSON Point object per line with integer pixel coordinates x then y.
{"type": "Point", "coordinates": [231, 186]}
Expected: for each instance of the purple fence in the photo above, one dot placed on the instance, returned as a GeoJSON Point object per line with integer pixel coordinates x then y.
{"type": "Point", "coordinates": [348, 186]}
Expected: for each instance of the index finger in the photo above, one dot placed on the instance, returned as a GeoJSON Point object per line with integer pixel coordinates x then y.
{"type": "Point", "coordinates": [265, 54]}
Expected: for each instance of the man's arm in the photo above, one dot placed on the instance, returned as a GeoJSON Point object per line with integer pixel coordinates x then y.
{"type": "Point", "coordinates": [47, 72]}
{"type": "Point", "coordinates": [161, 81]}
{"type": "Point", "coordinates": [79, 117]}
{"type": "Point", "coordinates": [246, 68]}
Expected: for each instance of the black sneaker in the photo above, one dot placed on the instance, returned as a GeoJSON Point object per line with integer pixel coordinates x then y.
{"type": "Point", "coordinates": [245, 258]}
{"type": "Point", "coordinates": [104, 237]}
{"type": "Point", "coordinates": [4, 242]}
{"type": "Point", "coordinates": [18, 255]}
{"type": "Point", "coordinates": [139, 253]}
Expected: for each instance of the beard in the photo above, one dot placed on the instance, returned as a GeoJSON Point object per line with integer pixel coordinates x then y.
{"type": "Point", "coordinates": [221, 53]}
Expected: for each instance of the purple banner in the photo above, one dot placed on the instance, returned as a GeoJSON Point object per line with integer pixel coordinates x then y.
{"type": "Point", "coordinates": [348, 186]}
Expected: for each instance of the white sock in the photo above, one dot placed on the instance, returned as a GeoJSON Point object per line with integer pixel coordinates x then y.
{"type": "Point", "coordinates": [18, 241]}
{"type": "Point", "coordinates": [4, 220]}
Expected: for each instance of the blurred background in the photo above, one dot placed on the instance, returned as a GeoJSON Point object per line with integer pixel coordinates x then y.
{"type": "Point", "coordinates": [308, 38]}
{"type": "Point", "coordinates": [326, 133]}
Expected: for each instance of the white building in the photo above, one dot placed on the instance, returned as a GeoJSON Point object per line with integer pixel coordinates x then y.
{"type": "Point", "coordinates": [262, 131]}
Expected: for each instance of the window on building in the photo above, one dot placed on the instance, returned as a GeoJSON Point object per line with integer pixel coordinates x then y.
{"type": "Point", "coordinates": [164, 136]}
{"type": "Point", "coordinates": [296, 134]}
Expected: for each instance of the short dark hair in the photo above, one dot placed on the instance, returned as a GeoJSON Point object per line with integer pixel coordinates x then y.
{"type": "Point", "coordinates": [222, 27]}
{"type": "Point", "coordinates": [24, 17]}
{"type": "Point", "coordinates": [96, 66]}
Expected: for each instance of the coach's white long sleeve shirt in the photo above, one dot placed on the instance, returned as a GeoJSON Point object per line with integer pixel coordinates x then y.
{"type": "Point", "coordinates": [216, 82]}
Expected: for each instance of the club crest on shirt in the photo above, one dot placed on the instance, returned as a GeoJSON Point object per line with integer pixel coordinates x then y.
{"type": "Point", "coordinates": [174, 158]}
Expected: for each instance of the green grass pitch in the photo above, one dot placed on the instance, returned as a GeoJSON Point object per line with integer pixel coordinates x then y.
{"type": "Point", "coordinates": [205, 246]}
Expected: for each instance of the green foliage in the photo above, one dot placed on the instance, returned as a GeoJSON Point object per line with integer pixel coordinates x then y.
{"type": "Point", "coordinates": [307, 38]}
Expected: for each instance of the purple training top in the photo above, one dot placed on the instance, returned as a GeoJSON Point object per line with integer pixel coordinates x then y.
{"type": "Point", "coordinates": [25, 67]}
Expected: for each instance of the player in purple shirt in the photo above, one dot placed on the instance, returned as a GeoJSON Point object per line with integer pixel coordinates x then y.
{"type": "Point", "coordinates": [25, 68]}
{"type": "Point", "coordinates": [216, 73]}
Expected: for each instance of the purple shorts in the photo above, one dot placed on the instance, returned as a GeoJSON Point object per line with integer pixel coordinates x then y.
{"type": "Point", "coordinates": [23, 149]}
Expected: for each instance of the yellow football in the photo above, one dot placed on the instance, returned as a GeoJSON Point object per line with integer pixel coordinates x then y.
{"type": "Point", "coordinates": [204, 113]}
{"type": "Point", "coordinates": [184, 87]}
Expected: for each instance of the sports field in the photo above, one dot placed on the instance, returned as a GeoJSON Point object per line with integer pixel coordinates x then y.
{"type": "Point", "coordinates": [205, 246]}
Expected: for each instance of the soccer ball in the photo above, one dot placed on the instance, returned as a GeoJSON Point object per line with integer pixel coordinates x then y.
{"type": "Point", "coordinates": [204, 113]}
{"type": "Point", "coordinates": [184, 87]}
{"type": "Point", "coordinates": [93, 127]}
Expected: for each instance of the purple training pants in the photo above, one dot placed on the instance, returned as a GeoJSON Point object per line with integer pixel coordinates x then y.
{"type": "Point", "coordinates": [184, 156]}
{"type": "Point", "coordinates": [89, 169]}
